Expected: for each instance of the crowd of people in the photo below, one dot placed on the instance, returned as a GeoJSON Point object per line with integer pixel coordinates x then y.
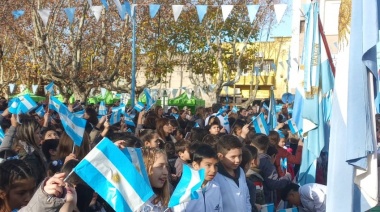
{"type": "Point", "coordinates": [243, 169]}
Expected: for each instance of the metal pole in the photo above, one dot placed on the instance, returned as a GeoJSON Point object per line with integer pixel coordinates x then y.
{"type": "Point", "coordinates": [133, 86]}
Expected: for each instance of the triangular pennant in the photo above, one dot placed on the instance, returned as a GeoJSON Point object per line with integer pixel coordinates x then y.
{"type": "Point", "coordinates": [17, 13]}
{"type": "Point", "coordinates": [120, 9]}
{"type": "Point", "coordinates": [295, 60]}
{"type": "Point", "coordinates": [44, 14]}
{"type": "Point", "coordinates": [226, 10]}
{"type": "Point", "coordinates": [105, 4]}
{"type": "Point", "coordinates": [153, 9]}
{"type": "Point", "coordinates": [252, 11]}
{"type": "Point", "coordinates": [280, 9]}
{"type": "Point", "coordinates": [34, 88]}
{"type": "Point", "coordinates": [177, 9]}
{"type": "Point", "coordinates": [174, 92]}
{"type": "Point", "coordinates": [70, 14]}
{"type": "Point", "coordinates": [97, 11]}
{"type": "Point", "coordinates": [92, 92]}
{"type": "Point", "coordinates": [127, 8]}
{"type": "Point", "coordinates": [22, 87]}
{"type": "Point", "coordinates": [11, 87]}
{"type": "Point", "coordinates": [168, 91]}
{"type": "Point", "coordinates": [89, 2]}
{"type": "Point", "coordinates": [103, 92]}
{"type": "Point", "coordinates": [201, 10]}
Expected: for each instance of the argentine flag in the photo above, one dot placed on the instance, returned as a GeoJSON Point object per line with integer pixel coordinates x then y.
{"type": "Point", "coordinates": [74, 126]}
{"type": "Point", "coordinates": [267, 208]}
{"type": "Point", "coordinates": [111, 174]}
{"type": "Point", "coordinates": [139, 107]}
{"type": "Point", "coordinates": [22, 104]}
{"type": "Point", "coordinates": [128, 121]}
{"type": "Point", "coordinates": [2, 134]}
{"type": "Point", "coordinates": [79, 114]}
{"type": "Point", "coordinates": [40, 111]}
{"type": "Point", "coordinates": [292, 126]}
{"type": "Point", "coordinates": [234, 109]}
{"type": "Point", "coordinates": [102, 109]}
{"type": "Point", "coordinates": [54, 104]}
{"type": "Point", "coordinates": [135, 156]}
{"type": "Point", "coordinates": [115, 116]}
{"type": "Point", "coordinates": [260, 124]}
{"type": "Point", "coordinates": [187, 187]}
{"type": "Point", "coordinates": [149, 100]}
{"type": "Point", "coordinates": [288, 210]}
{"type": "Point", "coordinates": [50, 88]}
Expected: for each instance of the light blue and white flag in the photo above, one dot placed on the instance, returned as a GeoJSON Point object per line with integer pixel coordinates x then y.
{"type": "Point", "coordinates": [102, 109]}
{"type": "Point", "coordinates": [135, 156]}
{"type": "Point", "coordinates": [187, 187]}
{"type": "Point", "coordinates": [74, 126]}
{"type": "Point", "coordinates": [272, 118]}
{"type": "Point", "coordinates": [40, 111]}
{"type": "Point", "coordinates": [149, 100]}
{"type": "Point", "coordinates": [22, 104]}
{"type": "Point", "coordinates": [196, 125]}
{"type": "Point", "coordinates": [129, 130]}
{"type": "Point", "coordinates": [111, 174]}
{"type": "Point", "coordinates": [234, 109]}
{"type": "Point", "coordinates": [288, 210]}
{"type": "Point", "coordinates": [50, 88]}
{"type": "Point", "coordinates": [267, 208]}
{"type": "Point", "coordinates": [260, 124]}
{"type": "Point", "coordinates": [292, 126]}
{"type": "Point", "coordinates": [139, 107]}
{"type": "Point", "coordinates": [2, 134]}
{"type": "Point", "coordinates": [54, 103]}
{"type": "Point", "coordinates": [128, 121]}
{"type": "Point", "coordinates": [265, 106]}
{"type": "Point", "coordinates": [79, 114]}
{"type": "Point", "coordinates": [115, 116]}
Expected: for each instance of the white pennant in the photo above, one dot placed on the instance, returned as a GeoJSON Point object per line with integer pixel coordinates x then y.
{"type": "Point", "coordinates": [226, 10]}
{"type": "Point", "coordinates": [22, 87]}
{"type": "Point", "coordinates": [34, 88]}
{"type": "Point", "coordinates": [280, 9]}
{"type": "Point", "coordinates": [119, 8]}
{"type": "Point", "coordinates": [12, 87]}
{"type": "Point", "coordinates": [177, 9]}
{"type": "Point", "coordinates": [44, 14]}
{"type": "Point", "coordinates": [97, 11]}
{"type": "Point", "coordinates": [174, 92]}
{"type": "Point", "coordinates": [188, 93]}
{"type": "Point", "coordinates": [89, 2]}
{"type": "Point", "coordinates": [212, 87]}
{"type": "Point", "coordinates": [133, 9]}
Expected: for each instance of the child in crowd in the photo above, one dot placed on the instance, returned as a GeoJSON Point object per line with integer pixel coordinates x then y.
{"type": "Point", "coordinates": [157, 168]}
{"type": "Point", "coordinates": [210, 197]}
{"type": "Point", "coordinates": [231, 177]}
{"type": "Point", "coordinates": [268, 171]}
{"type": "Point", "coordinates": [182, 150]}
{"type": "Point", "coordinates": [150, 138]}
{"type": "Point", "coordinates": [245, 164]}
{"type": "Point", "coordinates": [254, 177]}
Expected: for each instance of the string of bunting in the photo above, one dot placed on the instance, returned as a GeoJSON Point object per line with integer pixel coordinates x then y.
{"type": "Point", "coordinates": [127, 9]}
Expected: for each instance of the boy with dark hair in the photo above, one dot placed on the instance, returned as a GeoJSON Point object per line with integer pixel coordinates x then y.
{"type": "Point", "coordinates": [182, 150]}
{"type": "Point", "coordinates": [231, 177]}
{"type": "Point", "coordinates": [210, 197]}
{"type": "Point", "coordinates": [310, 197]}
{"type": "Point", "coordinates": [272, 181]}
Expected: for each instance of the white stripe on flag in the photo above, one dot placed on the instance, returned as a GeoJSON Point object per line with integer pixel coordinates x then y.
{"type": "Point", "coordinates": [25, 102]}
{"type": "Point", "coordinates": [194, 180]}
{"type": "Point", "coordinates": [107, 169]}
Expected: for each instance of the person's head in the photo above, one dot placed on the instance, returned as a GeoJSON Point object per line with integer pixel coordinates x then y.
{"type": "Point", "coordinates": [243, 112]}
{"type": "Point", "coordinates": [49, 148]}
{"type": "Point", "coordinates": [169, 148]}
{"type": "Point", "coordinates": [213, 119]}
{"type": "Point", "coordinates": [163, 127]}
{"type": "Point", "coordinates": [205, 157]}
{"type": "Point", "coordinates": [197, 134]}
{"type": "Point", "coordinates": [274, 137]}
{"type": "Point", "coordinates": [65, 147]}
{"type": "Point", "coordinates": [211, 140]}
{"type": "Point", "coordinates": [159, 111]}
{"type": "Point", "coordinates": [246, 159]}
{"type": "Point", "coordinates": [255, 160]}
{"type": "Point", "coordinates": [183, 114]}
{"type": "Point", "coordinates": [91, 116]}
{"type": "Point", "coordinates": [237, 127]}
{"type": "Point", "coordinates": [17, 184]}
{"type": "Point", "coordinates": [128, 140]}
{"type": "Point", "coordinates": [29, 131]}
{"type": "Point", "coordinates": [150, 138]}
{"type": "Point", "coordinates": [291, 195]}
{"type": "Point", "coordinates": [174, 124]}
{"type": "Point", "coordinates": [156, 165]}
{"type": "Point", "coordinates": [182, 150]}
{"type": "Point", "coordinates": [272, 152]}
{"type": "Point", "coordinates": [5, 125]}
{"type": "Point", "coordinates": [179, 134]}
{"type": "Point", "coordinates": [215, 107]}
{"type": "Point", "coordinates": [49, 133]}
{"type": "Point", "coordinates": [200, 112]}
{"type": "Point", "coordinates": [261, 142]}
{"type": "Point", "coordinates": [229, 151]}
{"type": "Point", "coordinates": [214, 128]}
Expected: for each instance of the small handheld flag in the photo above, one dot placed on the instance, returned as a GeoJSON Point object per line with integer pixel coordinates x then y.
{"type": "Point", "coordinates": [50, 88]}
{"type": "Point", "coordinates": [175, 115]}
{"type": "Point", "coordinates": [139, 107]}
{"type": "Point", "coordinates": [196, 125]}
{"type": "Point", "coordinates": [40, 111]}
{"type": "Point", "coordinates": [102, 109]}
{"type": "Point", "coordinates": [111, 174]}
{"type": "Point", "coordinates": [115, 116]}
{"type": "Point", "coordinates": [74, 126]}
{"type": "Point", "coordinates": [292, 126]}
{"type": "Point", "coordinates": [135, 156]}
{"type": "Point", "coordinates": [234, 109]}
{"type": "Point", "coordinates": [54, 103]}
{"type": "Point", "coordinates": [128, 121]}
{"type": "Point", "coordinates": [260, 124]}
{"type": "Point", "coordinates": [267, 208]}
{"type": "Point", "coordinates": [190, 182]}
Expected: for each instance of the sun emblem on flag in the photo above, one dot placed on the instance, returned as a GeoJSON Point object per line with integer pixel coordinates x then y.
{"type": "Point", "coordinates": [115, 177]}
{"type": "Point", "coordinates": [72, 125]}
{"type": "Point", "coordinates": [261, 125]}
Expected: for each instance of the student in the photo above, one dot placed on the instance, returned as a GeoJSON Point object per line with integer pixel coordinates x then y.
{"type": "Point", "coordinates": [268, 171]}
{"type": "Point", "coordinates": [254, 177]}
{"type": "Point", "coordinates": [150, 138]}
{"type": "Point", "coordinates": [182, 150]}
{"type": "Point", "coordinates": [209, 195]}
{"type": "Point", "coordinates": [231, 177]}
{"type": "Point", "coordinates": [309, 198]}
{"type": "Point", "coordinates": [156, 165]}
